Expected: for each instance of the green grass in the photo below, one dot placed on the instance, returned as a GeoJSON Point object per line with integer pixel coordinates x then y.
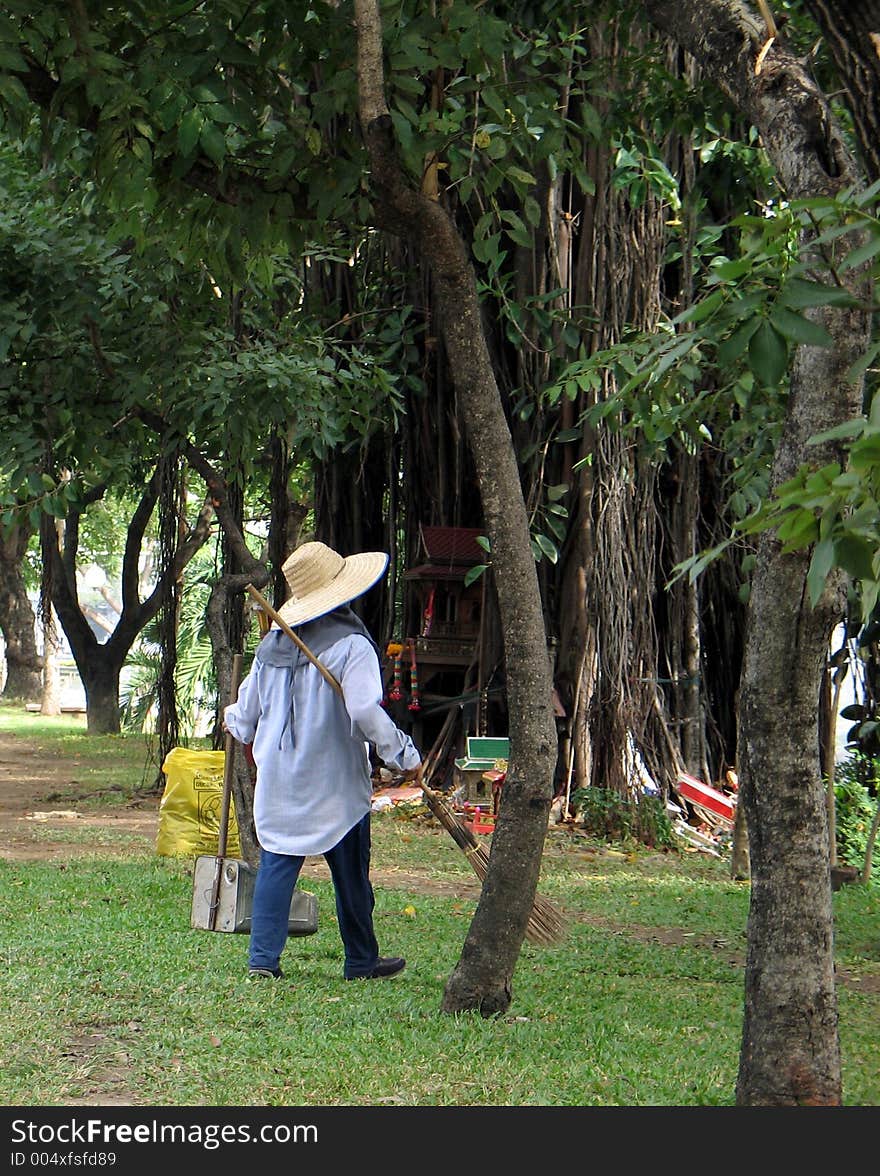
{"type": "Point", "coordinates": [108, 991]}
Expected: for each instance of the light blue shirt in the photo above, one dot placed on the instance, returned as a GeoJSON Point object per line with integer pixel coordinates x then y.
{"type": "Point", "coordinates": [310, 745]}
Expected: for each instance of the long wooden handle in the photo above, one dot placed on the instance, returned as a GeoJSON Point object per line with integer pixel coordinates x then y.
{"type": "Point", "coordinates": [298, 642]}
{"type": "Point", "coordinates": [228, 761]}
{"type": "Point", "coordinates": [223, 833]}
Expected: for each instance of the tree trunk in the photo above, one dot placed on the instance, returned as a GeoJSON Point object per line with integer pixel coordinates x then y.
{"type": "Point", "coordinates": [852, 35]}
{"type": "Point", "coordinates": [740, 866]}
{"type": "Point", "coordinates": [790, 1051]}
{"type": "Point", "coordinates": [23, 665]}
{"type": "Point", "coordinates": [100, 679]}
{"type": "Point", "coordinates": [610, 571]}
{"type": "Point", "coordinates": [482, 978]}
{"type": "Point", "coordinates": [100, 665]}
{"type": "Point", "coordinates": [50, 700]}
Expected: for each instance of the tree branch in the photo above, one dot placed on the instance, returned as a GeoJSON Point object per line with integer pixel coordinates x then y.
{"type": "Point", "coordinates": [780, 99]}
{"type": "Point", "coordinates": [252, 569]}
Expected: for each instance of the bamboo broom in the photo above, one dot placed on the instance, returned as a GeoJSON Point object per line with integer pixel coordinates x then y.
{"type": "Point", "coordinates": [546, 925]}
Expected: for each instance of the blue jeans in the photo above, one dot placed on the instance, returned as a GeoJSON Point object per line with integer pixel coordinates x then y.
{"type": "Point", "coordinates": [349, 862]}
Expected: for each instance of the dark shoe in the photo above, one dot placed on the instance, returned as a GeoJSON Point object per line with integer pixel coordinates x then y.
{"type": "Point", "coordinates": [268, 973]}
{"type": "Point", "coordinates": [385, 966]}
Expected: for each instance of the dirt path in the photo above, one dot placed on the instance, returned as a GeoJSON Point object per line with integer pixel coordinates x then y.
{"type": "Point", "coordinates": [35, 824]}
{"type": "Point", "coordinates": [39, 821]}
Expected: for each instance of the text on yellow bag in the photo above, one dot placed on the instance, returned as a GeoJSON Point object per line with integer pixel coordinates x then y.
{"type": "Point", "coordinates": [189, 811]}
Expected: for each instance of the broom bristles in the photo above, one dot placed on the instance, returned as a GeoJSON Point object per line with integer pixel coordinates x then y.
{"type": "Point", "coordinates": [547, 924]}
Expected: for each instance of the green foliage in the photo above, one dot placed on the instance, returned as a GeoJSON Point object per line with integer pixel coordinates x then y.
{"type": "Point", "coordinates": [91, 335]}
{"type": "Point", "coordinates": [262, 99]}
{"type": "Point", "coordinates": [834, 509]}
{"type": "Point", "coordinates": [201, 314]}
{"type": "Point", "coordinates": [856, 796]}
{"type": "Point", "coordinates": [549, 523]}
{"type": "Point", "coordinates": [474, 573]}
{"type": "Point", "coordinates": [55, 278]}
{"type": "Point", "coordinates": [610, 817]}
{"type": "Point", "coordinates": [228, 137]}
{"type": "Point", "coordinates": [196, 97]}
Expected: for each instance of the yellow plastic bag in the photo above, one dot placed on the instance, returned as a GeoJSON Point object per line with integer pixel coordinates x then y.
{"type": "Point", "coordinates": [189, 811]}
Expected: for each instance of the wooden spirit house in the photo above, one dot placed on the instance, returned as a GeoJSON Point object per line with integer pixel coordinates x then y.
{"type": "Point", "coordinates": [447, 669]}
{"type": "Point", "coordinates": [449, 611]}
{"type": "Point", "coordinates": [439, 657]}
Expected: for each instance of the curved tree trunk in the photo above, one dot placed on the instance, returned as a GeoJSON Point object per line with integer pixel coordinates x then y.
{"type": "Point", "coordinates": [100, 665]}
{"type": "Point", "coordinates": [483, 976]}
{"type": "Point", "coordinates": [790, 1049]}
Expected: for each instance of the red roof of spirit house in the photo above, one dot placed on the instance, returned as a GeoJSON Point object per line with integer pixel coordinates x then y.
{"type": "Point", "coordinates": [450, 551]}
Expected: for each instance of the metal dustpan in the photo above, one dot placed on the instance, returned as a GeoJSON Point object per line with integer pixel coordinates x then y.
{"type": "Point", "coordinates": [227, 904]}
{"type": "Point", "coordinates": [223, 887]}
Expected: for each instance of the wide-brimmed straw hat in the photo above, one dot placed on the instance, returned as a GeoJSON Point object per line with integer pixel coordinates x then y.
{"type": "Point", "coordinates": [320, 580]}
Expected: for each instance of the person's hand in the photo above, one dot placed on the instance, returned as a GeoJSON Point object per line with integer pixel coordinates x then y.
{"type": "Point", "coordinates": [415, 773]}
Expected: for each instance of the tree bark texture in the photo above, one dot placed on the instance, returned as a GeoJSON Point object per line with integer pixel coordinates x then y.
{"type": "Point", "coordinates": [482, 978]}
{"type": "Point", "coordinates": [621, 699]}
{"type": "Point", "coordinates": [23, 664]}
{"type": "Point", "coordinates": [611, 567]}
{"type": "Point", "coordinates": [790, 1053]}
{"type": "Point", "coordinates": [852, 35]}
